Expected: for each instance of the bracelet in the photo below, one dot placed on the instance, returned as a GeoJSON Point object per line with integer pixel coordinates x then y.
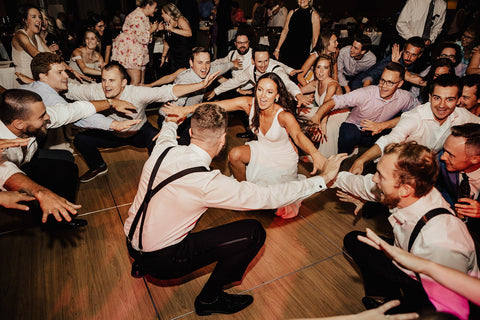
{"type": "Point", "coordinates": [110, 102]}
{"type": "Point", "coordinates": [277, 49]}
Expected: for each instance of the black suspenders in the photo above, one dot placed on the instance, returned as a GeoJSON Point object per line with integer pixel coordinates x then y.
{"type": "Point", "coordinates": [142, 210]}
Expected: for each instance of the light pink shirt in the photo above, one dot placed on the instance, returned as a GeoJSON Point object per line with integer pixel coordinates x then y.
{"type": "Point", "coordinates": [367, 104]}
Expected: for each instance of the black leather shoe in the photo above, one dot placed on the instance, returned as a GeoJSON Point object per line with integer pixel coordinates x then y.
{"type": "Point", "coordinates": [373, 302]}
{"type": "Point", "coordinates": [246, 135]}
{"type": "Point", "coordinates": [224, 303]}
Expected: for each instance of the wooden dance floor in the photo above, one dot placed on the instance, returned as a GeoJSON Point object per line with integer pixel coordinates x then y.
{"type": "Point", "coordinates": [301, 272]}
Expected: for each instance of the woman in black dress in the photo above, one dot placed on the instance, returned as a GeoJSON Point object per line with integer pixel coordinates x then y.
{"type": "Point", "coordinates": [299, 35]}
{"type": "Point", "coordinates": [178, 41]}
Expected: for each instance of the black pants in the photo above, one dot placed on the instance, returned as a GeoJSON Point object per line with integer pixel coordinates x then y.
{"type": "Point", "coordinates": [382, 278]}
{"type": "Point", "coordinates": [55, 170]}
{"type": "Point", "coordinates": [350, 136]}
{"type": "Point", "coordinates": [233, 245]}
{"type": "Point", "coordinates": [88, 141]}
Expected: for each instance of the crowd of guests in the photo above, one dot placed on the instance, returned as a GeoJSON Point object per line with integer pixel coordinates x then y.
{"type": "Point", "coordinates": [408, 118]}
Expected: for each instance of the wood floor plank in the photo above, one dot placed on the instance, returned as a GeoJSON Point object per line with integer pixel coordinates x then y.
{"type": "Point", "coordinates": [290, 245]}
{"type": "Point", "coordinates": [82, 274]}
{"type": "Point", "coordinates": [328, 288]}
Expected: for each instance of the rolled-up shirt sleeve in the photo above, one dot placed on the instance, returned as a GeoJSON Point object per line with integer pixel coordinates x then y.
{"type": "Point", "coordinates": [7, 169]}
{"type": "Point", "coordinates": [357, 185]}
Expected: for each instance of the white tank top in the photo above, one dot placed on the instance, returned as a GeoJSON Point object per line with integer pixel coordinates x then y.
{"type": "Point", "coordinates": [21, 59]}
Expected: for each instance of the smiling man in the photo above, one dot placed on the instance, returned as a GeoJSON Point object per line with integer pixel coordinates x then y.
{"type": "Point", "coordinates": [374, 109]}
{"type": "Point", "coordinates": [114, 87]}
{"type": "Point", "coordinates": [261, 65]}
{"type": "Point", "coordinates": [470, 98]}
{"type": "Point", "coordinates": [412, 50]}
{"type": "Point", "coordinates": [428, 124]}
{"type": "Point", "coordinates": [404, 181]}
{"type": "Point", "coordinates": [353, 60]}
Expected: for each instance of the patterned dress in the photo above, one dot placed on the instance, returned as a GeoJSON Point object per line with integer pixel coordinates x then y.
{"type": "Point", "coordinates": [130, 48]}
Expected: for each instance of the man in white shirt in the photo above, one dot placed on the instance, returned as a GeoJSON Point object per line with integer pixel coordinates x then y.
{"type": "Point", "coordinates": [23, 115]}
{"type": "Point", "coordinates": [261, 65]}
{"type": "Point", "coordinates": [414, 18]}
{"type": "Point", "coordinates": [114, 86]}
{"type": "Point", "coordinates": [165, 248]}
{"type": "Point", "coordinates": [470, 98]}
{"type": "Point", "coordinates": [427, 124]}
{"type": "Point", "coordinates": [404, 182]}
{"type": "Point", "coordinates": [277, 14]}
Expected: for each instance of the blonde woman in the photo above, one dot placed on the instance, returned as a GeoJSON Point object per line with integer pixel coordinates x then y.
{"type": "Point", "coordinates": [87, 59]}
{"type": "Point", "coordinates": [178, 42]}
{"type": "Point", "coordinates": [130, 48]}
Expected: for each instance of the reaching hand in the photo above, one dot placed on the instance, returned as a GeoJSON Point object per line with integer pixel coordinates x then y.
{"type": "Point", "coordinates": [301, 100]}
{"type": "Point", "coordinates": [11, 199]}
{"type": "Point", "coordinates": [331, 167]}
{"type": "Point", "coordinates": [374, 127]}
{"type": "Point", "coordinates": [23, 78]}
{"type": "Point", "coordinates": [209, 96]}
{"type": "Point", "coordinates": [318, 162]}
{"type": "Point", "coordinates": [379, 313]}
{"type": "Point", "coordinates": [123, 106]}
{"type": "Point", "coordinates": [295, 72]}
{"type": "Point", "coordinates": [347, 197]}
{"type": "Point", "coordinates": [52, 203]}
{"type": "Point", "coordinates": [53, 47]}
{"type": "Point", "coordinates": [172, 110]}
{"type": "Point", "coordinates": [469, 207]}
{"type": "Point", "coordinates": [209, 79]}
{"type": "Point", "coordinates": [276, 54]}
{"type": "Point", "coordinates": [237, 64]}
{"type": "Point", "coordinates": [10, 143]}
{"type": "Point", "coordinates": [123, 125]}
{"type": "Point", "coordinates": [357, 167]}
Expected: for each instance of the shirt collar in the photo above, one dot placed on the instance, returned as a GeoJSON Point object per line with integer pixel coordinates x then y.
{"type": "Point", "coordinates": [204, 156]}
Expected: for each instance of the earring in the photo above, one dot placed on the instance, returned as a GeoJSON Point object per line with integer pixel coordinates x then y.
{"type": "Point", "coordinates": [276, 99]}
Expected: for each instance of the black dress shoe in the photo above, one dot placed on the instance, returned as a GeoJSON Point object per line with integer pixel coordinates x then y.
{"type": "Point", "coordinates": [246, 135]}
{"type": "Point", "coordinates": [224, 303]}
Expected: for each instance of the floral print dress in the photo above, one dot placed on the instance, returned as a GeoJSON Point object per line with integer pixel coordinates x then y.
{"type": "Point", "coordinates": [130, 48]}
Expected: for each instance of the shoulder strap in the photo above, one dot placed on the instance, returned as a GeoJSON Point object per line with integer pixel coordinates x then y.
{"type": "Point", "coordinates": [142, 210]}
{"type": "Point", "coordinates": [423, 220]}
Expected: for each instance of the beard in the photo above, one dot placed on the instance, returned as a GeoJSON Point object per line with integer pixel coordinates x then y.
{"type": "Point", "coordinates": [242, 51]}
{"type": "Point", "coordinates": [389, 200]}
{"type": "Point", "coordinates": [36, 132]}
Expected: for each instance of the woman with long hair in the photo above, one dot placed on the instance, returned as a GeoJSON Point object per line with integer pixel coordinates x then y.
{"type": "Point", "coordinates": [273, 158]}
{"type": "Point", "coordinates": [178, 42]}
{"type": "Point", "coordinates": [325, 87]}
{"type": "Point", "coordinates": [87, 58]}
{"type": "Point", "coordinates": [130, 48]}
{"type": "Point", "coordinates": [327, 44]}
{"type": "Point", "coordinates": [26, 42]}
{"type": "Point", "coordinates": [97, 23]}
{"type": "Point", "coordinates": [439, 66]}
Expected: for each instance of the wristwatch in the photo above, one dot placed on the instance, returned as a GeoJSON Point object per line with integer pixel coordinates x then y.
{"type": "Point", "coordinates": [110, 103]}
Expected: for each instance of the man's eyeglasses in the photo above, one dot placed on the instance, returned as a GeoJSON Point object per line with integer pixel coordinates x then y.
{"type": "Point", "coordinates": [387, 83]}
{"type": "Point", "coordinates": [242, 42]}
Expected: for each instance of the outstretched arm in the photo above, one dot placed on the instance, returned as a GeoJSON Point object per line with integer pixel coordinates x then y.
{"type": "Point", "coordinates": [240, 103]}
{"type": "Point", "coordinates": [288, 121]}
{"type": "Point", "coordinates": [457, 281]}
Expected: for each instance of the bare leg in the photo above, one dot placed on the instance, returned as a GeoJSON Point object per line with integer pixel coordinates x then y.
{"type": "Point", "coordinates": [238, 159]}
{"type": "Point", "coordinates": [135, 76]}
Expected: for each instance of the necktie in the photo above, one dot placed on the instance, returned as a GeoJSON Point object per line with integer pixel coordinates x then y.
{"type": "Point", "coordinates": [428, 22]}
{"type": "Point", "coordinates": [464, 187]}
